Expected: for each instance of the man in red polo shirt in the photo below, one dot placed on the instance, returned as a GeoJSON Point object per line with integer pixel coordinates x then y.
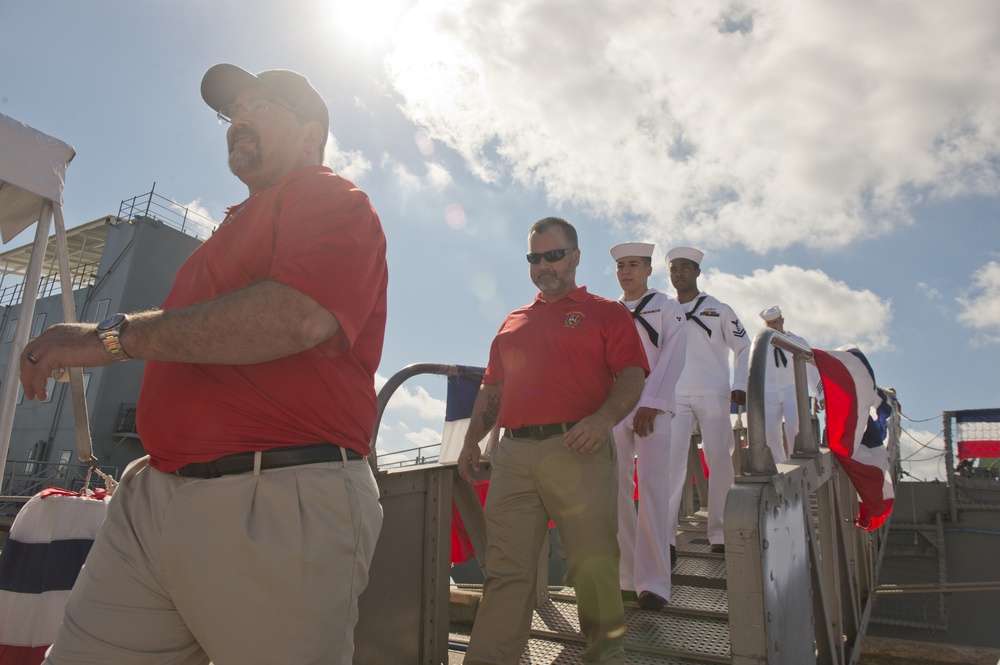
{"type": "Point", "coordinates": [563, 371]}
{"type": "Point", "coordinates": [246, 534]}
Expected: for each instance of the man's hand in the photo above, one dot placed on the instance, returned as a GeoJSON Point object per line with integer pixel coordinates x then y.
{"type": "Point", "coordinates": [61, 345]}
{"type": "Point", "coordinates": [642, 424]}
{"type": "Point", "coordinates": [588, 435]}
{"type": "Point", "coordinates": [469, 457]}
{"type": "Point", "coordinates": [738, 397]}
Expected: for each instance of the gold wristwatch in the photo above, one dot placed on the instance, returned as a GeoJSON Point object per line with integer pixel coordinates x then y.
{"type": "Point", "coordinates": [109, 330]}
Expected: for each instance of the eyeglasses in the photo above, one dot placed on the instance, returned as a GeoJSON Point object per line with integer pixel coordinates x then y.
{"type": "Point", "coordinates": [550, 256]}
{"type": "Point", "coordinates": [259, 107]}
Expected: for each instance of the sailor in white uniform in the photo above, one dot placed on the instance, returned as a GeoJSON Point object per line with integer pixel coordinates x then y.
{"type": "Point", "coordinates": [705, 390]}
{"type": "Point", "coordinates": [779, 391]}
{"type": "Point", "coordinates": [644, 435]}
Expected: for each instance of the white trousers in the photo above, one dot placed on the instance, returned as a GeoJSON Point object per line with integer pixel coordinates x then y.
{"type": "Point", "coordinates": [718, 443]}
{"type": "Point", "coordinates": [778, 404]}
{"type": "Point", "coordinates": [242, 569]}
{"type": "Point", "coordinates": [644, 537]}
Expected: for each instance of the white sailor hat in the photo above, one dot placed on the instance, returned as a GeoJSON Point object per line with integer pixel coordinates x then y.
{"type": "Point", "coordinates": [641, 249]}
{"type": "Point", "coordinates": [689, 253]}
{"type": "Point", "coordinates": [772, 313]}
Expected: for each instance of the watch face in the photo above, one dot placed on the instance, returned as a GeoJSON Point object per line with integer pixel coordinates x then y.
{"type": "Point", "coordinates": [111, 322]}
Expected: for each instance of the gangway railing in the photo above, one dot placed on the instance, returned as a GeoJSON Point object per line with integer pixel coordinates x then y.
{"type": "Point", "coordinates": [398, 379]}
{"type": "Point", "coordinates": [409, 586]}
{"type": "Point", "coordinates": [801, 575]}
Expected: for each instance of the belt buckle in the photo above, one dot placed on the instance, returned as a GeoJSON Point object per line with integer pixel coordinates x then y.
{"type": "Point", "coordinates": [537, 432]}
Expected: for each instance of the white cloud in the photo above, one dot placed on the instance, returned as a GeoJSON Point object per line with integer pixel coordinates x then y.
{"type": "Point", "coordinates": [351, 164]}
{"type": "Point", "coordinates": [407, 180]}
{"type": "Point", "coordinates": [426, 436]}
{"type": "Point", "coordinates": [928, 290]}
{"type": "Point", "coordinates": [404, 420]}
{"type": "Point", "coordinates": [436, 177]}
{"type": "Point", "coordinates": [826, 312]}
{"type": "Point", "coordinates": [419, 401]}
{"type": "Point", "coordinates": [981, 309]}
{"type": "Point", "coordinates": [194, 213]}
{"type": "Point", "coordinates": [762, 123]}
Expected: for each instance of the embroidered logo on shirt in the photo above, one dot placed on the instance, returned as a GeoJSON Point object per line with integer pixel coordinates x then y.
{"type": "Point", "coordinates": [572, 319]}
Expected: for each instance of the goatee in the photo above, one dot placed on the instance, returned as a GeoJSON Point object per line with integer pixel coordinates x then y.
{"type": "Point", "coordinates": [242, 162]}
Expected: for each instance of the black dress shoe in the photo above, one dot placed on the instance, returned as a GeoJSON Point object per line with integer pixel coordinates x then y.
{"type": "Point", "coordinates": [718, 549]}
{"type": "Point", "coordinates": [673, 556]}
{"type": "Point", "coordinates": [650, 601]}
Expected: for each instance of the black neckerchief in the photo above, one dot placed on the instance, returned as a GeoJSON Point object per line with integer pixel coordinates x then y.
{"type": "Point", "coordinates": [654, 336]}
{"type": "Point", "coordinates": [694, 310]}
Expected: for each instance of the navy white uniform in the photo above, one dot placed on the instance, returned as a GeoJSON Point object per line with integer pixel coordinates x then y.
{"type": "Point", "coordinates": [644, 538]}
{"type": "Point", "coordinates": [703, 394]}
{"type": "Point", "coordinates": [779, 399]}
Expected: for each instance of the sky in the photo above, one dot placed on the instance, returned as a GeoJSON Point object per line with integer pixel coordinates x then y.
{"type": "Point", "coordinates": [839, 159]}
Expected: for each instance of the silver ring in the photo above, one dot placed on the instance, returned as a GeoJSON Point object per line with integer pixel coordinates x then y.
{"type": "Point", "coordinates": [31, 359]}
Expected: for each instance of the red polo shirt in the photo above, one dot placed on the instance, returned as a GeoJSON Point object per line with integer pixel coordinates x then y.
{"type": "Point", "coordinates": [318, 234]}
{"type": "Point", "coordinates": [558, 360]}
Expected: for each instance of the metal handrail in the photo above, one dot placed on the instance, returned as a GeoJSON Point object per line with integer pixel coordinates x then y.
{"type": "Point", "coordinates": [159, 208]}
{"type": "Point", "coordinates": [420, 458]}
{"type": "Point", "coordinates": [759, 461]}
{"type": "Point", "coordinates": [792, 529]}
{"type": "Point", "coordinates": [397, 379]}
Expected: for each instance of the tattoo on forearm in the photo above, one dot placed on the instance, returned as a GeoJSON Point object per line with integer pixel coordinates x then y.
{"type": "Point", "coordinates": [492, 412]}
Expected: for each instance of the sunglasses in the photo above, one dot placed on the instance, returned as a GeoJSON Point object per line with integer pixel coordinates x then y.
{"type": "Point", "coordinates": [550, 257]}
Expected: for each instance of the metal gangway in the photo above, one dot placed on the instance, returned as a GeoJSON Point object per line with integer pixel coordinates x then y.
{"type": "Point", "coordinates": [795, 585]}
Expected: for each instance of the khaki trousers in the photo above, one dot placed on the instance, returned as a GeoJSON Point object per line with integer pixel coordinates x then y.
{"type": "Point", "coordinates": [237, 570]}
{"type": "Point", "coordinates": [532, 482]}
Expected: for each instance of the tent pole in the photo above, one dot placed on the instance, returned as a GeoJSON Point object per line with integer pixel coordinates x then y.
{"type": "Point", "coordinates": [84, 446]}
{"type": "Point", "coordinates": [24, 320]}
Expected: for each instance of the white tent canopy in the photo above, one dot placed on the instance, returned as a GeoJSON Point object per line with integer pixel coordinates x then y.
{"type": "Point", "coordinates": [32, 170]}
{"type": "Point", "coordinates": [32, 175]}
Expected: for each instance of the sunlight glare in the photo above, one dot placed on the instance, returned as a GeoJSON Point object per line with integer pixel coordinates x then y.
{"type": "Point", "coordinates": [366, 24]}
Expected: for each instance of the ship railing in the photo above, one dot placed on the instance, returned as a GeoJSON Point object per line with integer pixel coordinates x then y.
{"type": "Point", "coordinates": [801, 575]}
{"type": "Point", "coordinates": [156, 208]}
{"type": "Point", "coordinates": [409, 581]}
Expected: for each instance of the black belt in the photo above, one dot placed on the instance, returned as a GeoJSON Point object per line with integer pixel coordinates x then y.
{"type": "Point", "coordinates": [539, 432]}
{"type": "Point", "coordinates": [275, 458]}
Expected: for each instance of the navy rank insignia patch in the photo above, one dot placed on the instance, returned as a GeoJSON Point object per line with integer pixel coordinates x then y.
{"type": "Point", "coordinates": [572, 319]}
{"type": "Point", "coordinates": [738, 329]}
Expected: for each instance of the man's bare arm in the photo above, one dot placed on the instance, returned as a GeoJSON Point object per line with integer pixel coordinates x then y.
{"type": "Point", "coordinates": [259, 323]}
{"type": "Point", "coordinates": [485, 413]}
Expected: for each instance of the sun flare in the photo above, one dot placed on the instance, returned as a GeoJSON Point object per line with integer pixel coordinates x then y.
{"type": "Point", "coordinates": [367, 24]}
